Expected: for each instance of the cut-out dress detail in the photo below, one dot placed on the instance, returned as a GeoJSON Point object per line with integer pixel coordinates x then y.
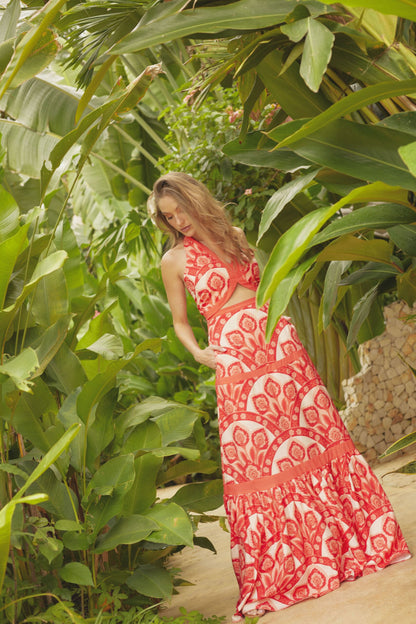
{"type": "Point", "coordinates": [305, 510]}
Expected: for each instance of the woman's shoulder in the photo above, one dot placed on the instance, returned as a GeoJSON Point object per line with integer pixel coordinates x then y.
{"type": "Point", "coordinates": [174, 258]}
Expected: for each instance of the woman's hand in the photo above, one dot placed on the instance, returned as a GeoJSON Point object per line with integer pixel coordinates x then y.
{"type": "Point", "coordinates": [208, 356]}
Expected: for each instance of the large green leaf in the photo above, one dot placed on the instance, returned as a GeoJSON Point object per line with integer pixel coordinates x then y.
{"type": "Point", "coordinates": [362, 151]}
{"type": "Point", "coordinates": [50, 342]}
{"type": "Point", "coordinates": [44, 268]}
{"type": "Point", "coordinates": [404, 122]}
{"type": "Point", "coordinates": [348, 57]}
{"type": "Point", "coordinates": [200, 497]}
{"type": "Point", "coordinates": [91, 127]}
{"type": "Point", "coordinates": [31, 43]}
{"type": "Point", "coordinates": [62, 501]}
{"type": "Point", "coordinates": [152, 406]}
{"type": "Point", "coordinates": [316, 53]}
{"type": "Point", "coordinates": [115, 476]}
{"type": "Point", "coordinates": [293, 243]}
{"type": "Point", "coordinates": [354, 101]}
{"type": "Point", "coordinates": [408, 154]}
{"type": "Point", "coordinates": [402, 8]}
{"type": "Point", "coordinates": [74, 267]}
{"type": "Point", "coordinates": [406, 286]}
{"type": "Point", "coordinates": [331, 285]}
{"type": "Point", "coordinates": [9, 215]}
{"type": "Point", "coordinates": [102, 431]}
{"type": "Point", "coordinates": [6, 516]}
{"type": "Point", "coordinates": [32, 413]}
{"type": "Point", "coordinates": [282, 295]}
{"type": "Point", "coordinates": [40, 57]}
{"type": "Point", "coordinates": [65, 370]}
{"type": "Point", "coordinates": [370, 272]}
{"type": "Point", "coordinates": [151, 580]}
{"type": "Point", "coordinates": [382, 216]}
{"type": "Point", "coordinates": [128, 530]}
{"type": "Point", "coordinates": [145, 436]}
{"type": "Point", "coordinates": [51, 456]}
{"type": "Point", "coordinates": [257, 150]}
{"type": "Point", "coordinates": [241, 15]}
{"type": "Point", "coordinates": [187, 467]}
{"type": "Point", "coordinates": [361, 311]}
{"type": "Point", "coordinates": [27, 149]}
{"type": "Point", "coordinates": [96, 388]}
{"type": "Point", "coordinates": [50, 301]}
{"type": "Point", "coordinates": [349, 247]}
{"type": "Point", "coordinates": [9, 20]}
{"type": "Point", "coordinates": [168, 451]}
{"type": "Point", "coordinates": [143, 491]}
{"type": "Point", "coordinates": [289, 89]}
{"type": "Point", "coordinates": [400, 444]}
{"type": "Point", "coordinates": [404, 236]}
{"type": "Point", "coordinates": [176, 424]}
{"type": "Point", "coordinates": [43, 104]}
{"type": "Point", "coordinates": [9, 251]}
{"type": "Point", "coordinates": [98, 326]}
{"type": "Point", "coordinates": [175, 527]}
{"type": "Point", "coordinates": [104, 510]}
{"type": "Point", "coordinates": [20, 369]}
{"type": "Point", "coordinates": [76, 573]}
{"type": "Point", "coordinates": [281, 198]}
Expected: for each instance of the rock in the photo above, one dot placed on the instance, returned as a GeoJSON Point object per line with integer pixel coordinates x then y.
{"type": "Point", "coordinates": [381, 398]}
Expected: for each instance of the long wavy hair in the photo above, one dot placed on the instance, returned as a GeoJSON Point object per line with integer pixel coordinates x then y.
{"type": "Point", "coordinates": [196, 200]}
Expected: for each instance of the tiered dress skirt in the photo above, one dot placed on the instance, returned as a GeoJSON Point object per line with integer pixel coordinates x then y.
{"type": "Point", "coordinates": [305, 510]}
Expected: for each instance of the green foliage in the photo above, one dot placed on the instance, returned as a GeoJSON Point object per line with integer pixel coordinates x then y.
{"type": "Point", "coordinates": [85, 347]}
{"type": "Point", "coordinates": [99, 374]}
{"type": "Point", "coordinates": [85, 331]}
{"type": "Point", "coordinates": [197, 135]}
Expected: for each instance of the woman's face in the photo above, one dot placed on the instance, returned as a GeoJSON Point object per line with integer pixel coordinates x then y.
{"type": "Point", "coordinates": [177, 218]}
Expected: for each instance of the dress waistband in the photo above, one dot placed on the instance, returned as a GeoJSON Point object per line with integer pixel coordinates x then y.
{"type": "Point", "coordinates": [265, 483]}
{"type": "Point", "coordinates": [271, 367]}
{"type": "Point", "coordinates": [246, 303]}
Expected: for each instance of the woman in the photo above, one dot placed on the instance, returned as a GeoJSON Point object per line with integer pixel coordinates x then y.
{"type": "Point", "coordinates": [305, 510]}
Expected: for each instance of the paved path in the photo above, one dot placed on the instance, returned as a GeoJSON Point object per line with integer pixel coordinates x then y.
{"type": "Point", "coordinates": [387, 597]}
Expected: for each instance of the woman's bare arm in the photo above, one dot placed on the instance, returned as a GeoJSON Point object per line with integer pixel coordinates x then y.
{"type": "Point", "coordinates": [176, 294]}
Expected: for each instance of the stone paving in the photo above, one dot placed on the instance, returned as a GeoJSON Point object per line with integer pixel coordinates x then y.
{"type": "Point", "coordinates": [385, 597]}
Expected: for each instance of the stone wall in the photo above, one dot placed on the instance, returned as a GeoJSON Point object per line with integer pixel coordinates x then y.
{"type": "Point", "coordinates": [381, 398]}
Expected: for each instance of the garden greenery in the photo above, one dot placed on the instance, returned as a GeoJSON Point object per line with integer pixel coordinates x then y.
{"type": "Point", "coordinates": [100, 404]}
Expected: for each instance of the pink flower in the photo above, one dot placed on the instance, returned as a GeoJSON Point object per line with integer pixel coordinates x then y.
{"type": "Point", "coordinates": [233, 115]}
{"type": "Point", "coordinates": [189, 96]}
{"type": "Point", "coordinates": [248, 191]}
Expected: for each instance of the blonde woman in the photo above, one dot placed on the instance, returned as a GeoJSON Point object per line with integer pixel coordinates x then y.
{"type": "Point", "coordinates": [305, 510]}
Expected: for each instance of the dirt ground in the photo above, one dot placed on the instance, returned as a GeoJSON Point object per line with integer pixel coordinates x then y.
{"type": "Point", "coordinates": [385, 597]}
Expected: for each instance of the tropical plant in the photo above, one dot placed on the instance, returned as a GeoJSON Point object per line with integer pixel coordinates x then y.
{"type": "Point", "coordinates": [356, 72]}
{"type": "Point", "coordinates": [72, 341]}
{"type": "Point", "coordinates": [351, 109]}
{"type": "Point", "coordinates": [76, 323]}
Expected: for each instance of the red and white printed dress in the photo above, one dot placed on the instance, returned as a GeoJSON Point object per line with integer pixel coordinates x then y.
{"type": "Point", "coordinates": [305, 510]}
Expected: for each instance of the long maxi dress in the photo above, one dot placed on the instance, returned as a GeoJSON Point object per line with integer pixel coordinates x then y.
{"type": "Point", "coordinates": [305, 510]}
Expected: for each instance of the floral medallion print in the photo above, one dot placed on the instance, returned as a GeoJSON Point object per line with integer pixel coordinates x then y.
{"type": "Point", "coordinates": [211, 282]}
{"type": "Point", "coordinates": [305, 510]}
